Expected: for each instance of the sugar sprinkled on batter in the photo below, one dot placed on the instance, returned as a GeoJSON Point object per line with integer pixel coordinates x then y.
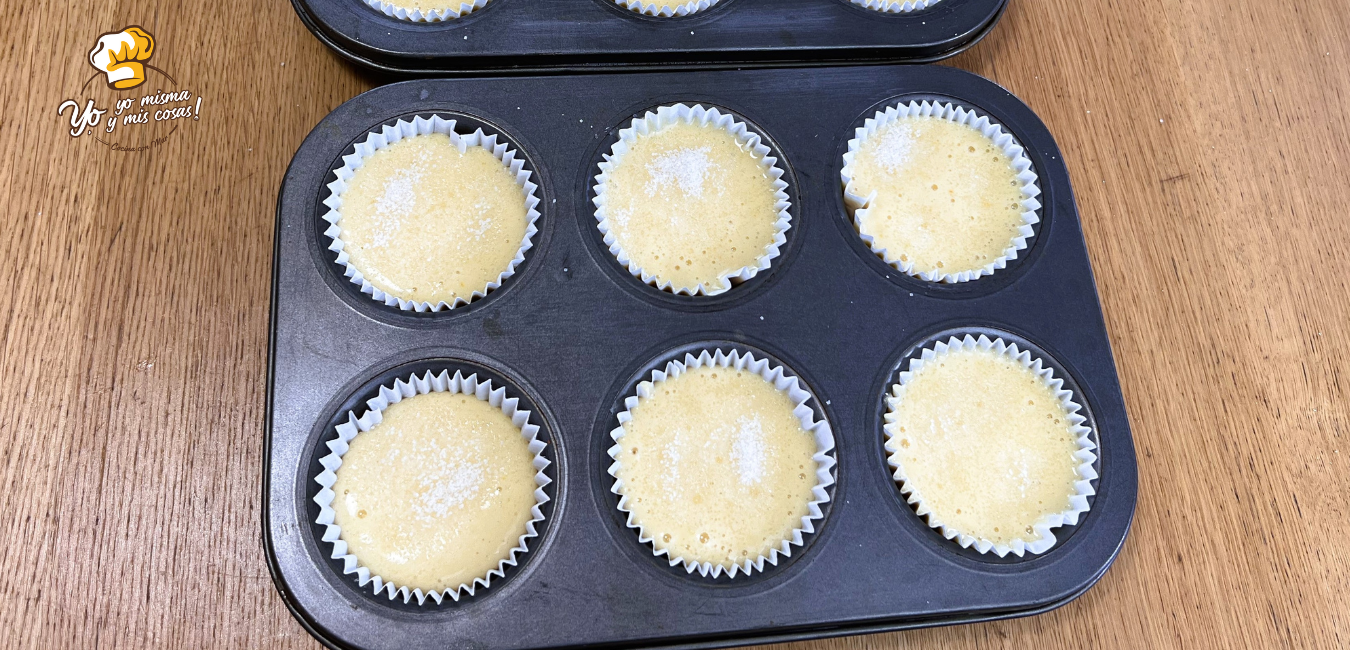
{"type": "Point", "coordinates": [397, 201]}
{"type": "Point", "coordinates": [893, 148]}
{"type": "Point", "coordinates": [684, 168]}
{"type": "Point", "coordinates": [748, 450]}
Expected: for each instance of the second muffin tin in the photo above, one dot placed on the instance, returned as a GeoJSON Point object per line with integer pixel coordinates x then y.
{"type": "Point", "coordinates": [561, 35]}
{"type": "Point", "coordinates": [572, 330]}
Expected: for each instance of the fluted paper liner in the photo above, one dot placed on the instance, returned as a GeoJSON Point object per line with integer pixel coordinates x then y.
{"type": "Point", "coordinates": [354, 426]}
{"type": "Point", "coordinates": [961, 115]}
{"type": "Point", "coordinates": [653, 9]}
{"type": "Point", "coordinates": [430, 16]}
{"type": "Point", "coordinates": [661, 118]}
{"type": "Point", "coordinates": [388, 135]}
{"type": "Point", "coordinates": [1078, 502]}
{"type": "Point", "coordinates": [782, 381]}
{"type": "Point", "coordinates": [894, 6]}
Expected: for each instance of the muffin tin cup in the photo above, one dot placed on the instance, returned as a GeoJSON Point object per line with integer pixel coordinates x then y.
{"type": "Point", "coordinates": [783, 381]}
{"type": "Point", "coordinates": [664, 117]}
{"type": "Point", "coordinates": [575, 333]}
{"type": "Point", "coordinates": [390, 134]}
{"type": "Point", "coordinates": [1026, 173]}
{"type": "Point", "coordinates": [389, 395]}
{"type": "Point", "coordinates": [1086, 468]}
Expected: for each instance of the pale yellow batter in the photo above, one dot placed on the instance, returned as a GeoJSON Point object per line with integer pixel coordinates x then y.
{"type": "Point", "coordinates": [986, 444]}
{"type": "Point", "coordinates": [691, 205]}
{"type": "Point", "coordinates": [716, 467]}
{"type": "Point", "coordinates": [436, 494]}
{"type": "Point", "coordinates": [427, 223]}
{"type": "Point", "coordinates": [947, 198]}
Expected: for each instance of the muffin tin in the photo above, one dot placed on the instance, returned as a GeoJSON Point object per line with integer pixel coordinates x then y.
{"type": "Point", "coordinates": [578, 35]}
{"type": "Point", "coordinates": [572, 331]}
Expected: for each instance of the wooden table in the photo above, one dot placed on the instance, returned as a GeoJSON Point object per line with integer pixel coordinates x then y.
{"type": "Point", "coordinates": [1208, 146]}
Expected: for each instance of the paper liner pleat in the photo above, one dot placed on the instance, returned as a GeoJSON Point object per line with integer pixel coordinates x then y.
{"type": "Point", "coordinates": [430, 16]}
{"type": "Point", "coordinates": [894, 7]}
{"type": "Point", "coordinates": [653, 9]}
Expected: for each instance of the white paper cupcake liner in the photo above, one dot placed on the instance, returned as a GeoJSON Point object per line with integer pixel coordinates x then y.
{"type": "Point", "coordinates": [653, 9]}
{"type": "Point", "coordinates": [663, 117]}
{"type": "Point", "coordinates": [800, 396]}
{"type": "Point", "coordinates": [1078, 503]}
{"type": "Point", "coordinates": [432, 16]}
{"type": "Point", "coordinates": [961, 115]}
{"type": "Point", "coordinates": [354, 426]}
{"type": "Point", "coordinates": [388, 135]}
{"type": "Point", "coordinates": [894, 7]}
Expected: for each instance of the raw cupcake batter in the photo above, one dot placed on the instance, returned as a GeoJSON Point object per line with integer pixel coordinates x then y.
{"type": "Point", "coordinates": [691, 205]}
{"type": "Point", "coordinates": [716, 467]}
{"type": "Point", "coordinates": [947, 198]}
{"type": "Point", "coordinates": [985, 443]}
{"type": "Point", "coordinates": [424, 222]}
{"type": "Point", "coordinates": [436, 494]}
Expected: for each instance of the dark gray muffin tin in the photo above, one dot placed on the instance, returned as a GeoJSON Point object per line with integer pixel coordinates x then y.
{"type": "Point", "coordinates": [581, 35]}
{"type": "Point", "coordinates": [572, 332]}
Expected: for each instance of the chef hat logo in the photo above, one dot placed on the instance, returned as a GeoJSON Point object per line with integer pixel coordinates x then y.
{"type": "Point", "coordinates": [119, 56]}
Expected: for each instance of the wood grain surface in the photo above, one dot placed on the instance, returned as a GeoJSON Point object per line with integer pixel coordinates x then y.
{"type": "Point", "coordinates": [1207, 141]}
